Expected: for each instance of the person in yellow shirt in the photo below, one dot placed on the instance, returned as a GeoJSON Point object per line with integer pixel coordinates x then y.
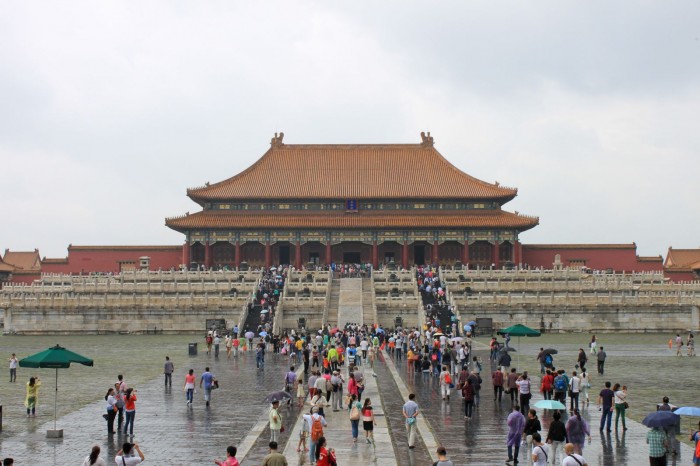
{"type": "Point", "coordinates": [32, 398]}
{"type": "Point", "coordinates": [409, 359]}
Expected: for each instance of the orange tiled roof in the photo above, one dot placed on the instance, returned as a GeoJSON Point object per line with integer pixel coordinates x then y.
{"type": "Point", "coordinates": [24, 261]}
{"type": "Point", "coordinates": [683, 259]}
{"type": "Point", "coordinates": [216, 219]}
{"type": "Point", "coordinates": [650, 259]}
{"type": "Point", "coordinates": [5, 267]}
{"type": "Point", "coordinates": [352, 171]}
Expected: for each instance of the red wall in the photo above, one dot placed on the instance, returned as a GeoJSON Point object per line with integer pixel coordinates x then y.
{"type": "Point", "coordinates": [597, 258]}
{"type": "Point", "coordinates": [106, 259]}
{"type": "Point", "coordinates": [680, 276]}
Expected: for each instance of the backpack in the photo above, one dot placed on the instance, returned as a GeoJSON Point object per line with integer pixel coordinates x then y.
{"type": "Point", "coordinates": [560, 384]}
{"type": "Point", "coordinates": [316, 429]}
{"type": "Point", "coordinates": [548, 360]}
{"type": "Point", "coordinates": [448, 378]}
{"type": "Point", "coordinates": [354, 413]}
{"type": "Point", "coordinates": [434, 357]}
{"type": "Point", "coordinates": [697, 446]}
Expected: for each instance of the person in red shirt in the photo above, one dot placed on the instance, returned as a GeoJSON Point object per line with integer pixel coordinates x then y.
{"type": "Point", "coordinates": [497, 380]}
{"type": "Point", "coordinates": [548, 385]}
{"type": "Point", "coordinates": [324, 455]}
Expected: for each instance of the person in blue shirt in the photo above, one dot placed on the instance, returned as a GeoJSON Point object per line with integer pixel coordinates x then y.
{"type": "Point", "coordinates": [208, 380]}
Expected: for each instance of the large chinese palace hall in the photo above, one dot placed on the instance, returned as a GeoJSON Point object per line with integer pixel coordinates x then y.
{"type": "Point", "coordinates": [357, 203]}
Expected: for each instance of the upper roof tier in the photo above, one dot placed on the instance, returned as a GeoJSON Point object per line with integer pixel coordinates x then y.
{"type": "Point", "coordinates": [352, 171]}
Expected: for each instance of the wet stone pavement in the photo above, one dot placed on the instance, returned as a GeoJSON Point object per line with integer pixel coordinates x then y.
{"type": "Point", "coordinates": [173, 434]}
{"type": "Point", "coordinates": [168, 431]}
{"type": "Point", "coordinates": [482, 440]}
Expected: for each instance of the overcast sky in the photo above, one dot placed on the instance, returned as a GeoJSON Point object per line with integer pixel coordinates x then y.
{"type": "Point", "coordinates": [109, 111]}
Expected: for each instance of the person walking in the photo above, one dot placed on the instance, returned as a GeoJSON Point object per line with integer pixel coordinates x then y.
{"type": "Point", "coordinates": [516, 425]}
{"type": "Point", "coordinates": [576, 430]}
{"type": "Point", "coordinates": [556, 436]}
{"type": "Point", "coordinates": [571, 458]}
{"type": "Point", "coordinates": [228, 343]}
{"type": "Point", "coordinates": [443, 460]}
{"type": "Point", "coordinates": [230, 457]}
{"type": "Point", "coordinates": [368, 421]}
{"type": "Point", "coordinates": [585, 384]}
{"type": "Point", "coordinates": [601, 360]}
{"type": "Point", "coordinates": [290, 379]}
{"type": "Point", "coordinates": [411, 410]}
{"type": "Point", "coordinates": [695, 437]}
{"type": "Point", "coordinates": [316, 423]}
{"type": "Point", "coordinates": [119, 396]}
{"type": "Point", "coordinates": [190, 379]}
{"type": "Point", "coordinates": [658, 445]}
{"type": "Point", "coordinates": [540, 451]}
{"type": "Point", "coordinates": [93, 459]}
{"type": "Point", "coordinates": [275, 421]}
{"type": "Point", "coordinates": [582, 359]}
{"type": "Point", "coordinates": [468, 396]}
{"type": "Point", "coordinates": [274, 458]}
{"type": "Point", "coordinates": [111, 410]}
{"type": "Point", "coordinates": [355, 410]}
{"type": "Point", "coordinates": [512, 386]}
{"type": "Point", "coordinates": [130, 410]}
{"type": "Point", "coordinates": [532, 427]}
{"type": "Point", "coordinates": [324, 456]}
{"type": "Point", "coordinates": [497, 381]}
{"type": "Point", "coordinates": [476, 385]}
{"type": "Point", "coordinates": [13, 367]}
{"type": "Point", "coordinates": [207, 380]}
{"type": "Point", "coordinates": [32, 398]}
{"type": "Point", "coordinates": [337, 393]}
{"type": "Point", "coordinates": [168, 369]}
{"type": "Point", "coordinates": [445, 382]}
{"type": "Point", "coordinates": [605, 405]}
{"type": "Point", "coordinates": [217, 343]}
{"type": "Point", "coordinates": [524, 387]}
{"type": "Point", "coordinates": [620, 404]}
{"type": "Point", "coordinates": [574, 391]}
{"type": "Point", "coordinates": [547, 386]}
{"type": "Point", "coordinates": [593, 345]}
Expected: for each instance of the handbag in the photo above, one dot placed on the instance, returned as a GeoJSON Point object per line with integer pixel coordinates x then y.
{"type": "Point", "coordinates": [627, 405]}
{"type": "Point", "coordinates": [282, 429]}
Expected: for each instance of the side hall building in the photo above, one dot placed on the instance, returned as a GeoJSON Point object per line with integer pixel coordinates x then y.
{"type": "Point", "coordinates": [357, 203]}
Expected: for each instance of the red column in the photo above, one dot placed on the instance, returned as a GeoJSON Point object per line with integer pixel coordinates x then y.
{"type": "Point", "coordinates": [237, 252]}
{"type": "Point", "coordinates": [375, 255]}
{"type": "Point", "coordinates": [268, 254]}
{"type": "Point", "coordinates": [404, 255]}
{"type": "Point", "coordinates": [207, 255]}
{"type": "Point", "coordinates": [186, 255]}
{"type": "Point", "coordinates": [436, 253]}
{"type": "Point", "coordinates": [465, 253]}
{"type": "Point", "coordinates": [516, 252]}
{"type": "Point", "coordinates": [329, 253]}
{"type": "Point", "coordinates": [297, 259]}
{"type": "Point", "coordinates": [496, 259]}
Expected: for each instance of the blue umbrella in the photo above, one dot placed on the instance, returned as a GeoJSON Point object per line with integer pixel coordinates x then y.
{"type": "Point", "coordinates": [550, 404]}
{"type": "Point", "coordinates": [380, 330]}
{"type": "Point", "coordinates": [467, 328]}
{"type": "Point", "coordinates": [660, 419]}
{"type": "Point", "coordinates": [263, 334]}
{"type": "Point", "coordinates": [687, 411]}
{"type": "Point", "coordinates": [471, 322]}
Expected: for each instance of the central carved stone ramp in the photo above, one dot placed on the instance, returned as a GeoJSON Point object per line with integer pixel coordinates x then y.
{"type": "Point", "coordinates": [350, 302]}
{"type": "Point", "coordinates": [368, 315]}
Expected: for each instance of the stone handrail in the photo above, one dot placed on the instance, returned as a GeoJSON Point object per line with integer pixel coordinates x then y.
{"type": "Point", "coordinates": [449, 274]}
{"type": "Point", "coordinates": [564, 299]}
{"type": "Point", "coordinates": [146, 301]}
{"type": "Point", "coordinates": [327, 302]}
{"type": "Point", "coordinates": [375, 314]}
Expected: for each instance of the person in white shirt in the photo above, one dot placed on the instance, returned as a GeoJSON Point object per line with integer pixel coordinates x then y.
{"type": "Point", "coordinates": [124, 456]}
{"type": "Point", "coordinates": [574, 390]}
{"type": "Point", "coordinates": [571, 458]}
{"type": "Point", "coordinates": [13, 368]}
{"type": "Point", "coordinates": [540, 451]}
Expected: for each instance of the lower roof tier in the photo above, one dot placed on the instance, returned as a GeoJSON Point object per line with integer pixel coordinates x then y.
{"type": "Point", "coordinates": [213, 220]}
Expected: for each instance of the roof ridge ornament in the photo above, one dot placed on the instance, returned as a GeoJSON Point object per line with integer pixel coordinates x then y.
{"type": "Point", "coordinates": [427, 139]}
{"type": "Point", "coordinates": [277, 140]}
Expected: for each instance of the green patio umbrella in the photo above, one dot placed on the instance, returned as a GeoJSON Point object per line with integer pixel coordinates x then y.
{"type": "Point", "coordinates": [56, 357]}
{"type": "Point", "coordinates": [519, 330]}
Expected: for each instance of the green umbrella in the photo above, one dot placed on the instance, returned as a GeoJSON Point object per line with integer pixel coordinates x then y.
{"type": "Point", "coordinates": [57, 358]}
{"type": "Point", "coordinates": [519, 330]}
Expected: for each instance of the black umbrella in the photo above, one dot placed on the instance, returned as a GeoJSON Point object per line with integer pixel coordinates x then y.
{"type": "Point", "coordinates": [550, 351]}
{"type": "Point", "coordinates": [277, 396]}
{"type": "Point", "coordinates": [661, 419]}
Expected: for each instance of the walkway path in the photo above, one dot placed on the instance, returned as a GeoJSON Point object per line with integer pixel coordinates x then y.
{"type": "Point", "coordinates": [339, 435]}
{"type": "Point", "coordinates": [350, 303]}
